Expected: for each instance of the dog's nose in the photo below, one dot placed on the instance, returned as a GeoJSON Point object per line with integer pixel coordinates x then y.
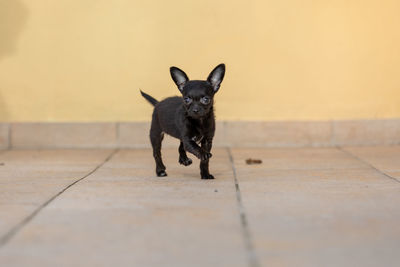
{"type": "Point", "coordinates": [196, 110]}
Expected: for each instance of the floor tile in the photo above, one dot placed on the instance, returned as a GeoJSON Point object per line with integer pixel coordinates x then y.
{"type": "Point", "coordinates": [28, 178]}
{"type": "Point", "coordinates": [297, 158]}
{"type": "Point", "coordinates": [344, 215]}
{"type": "Point", "coordinates": [384, 158]}
{"type": "Point", "coordinates": [123, 214]}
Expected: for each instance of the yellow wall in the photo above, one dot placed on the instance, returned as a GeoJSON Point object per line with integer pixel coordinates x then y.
{"type": "Point", "coordinates": [85, 60]}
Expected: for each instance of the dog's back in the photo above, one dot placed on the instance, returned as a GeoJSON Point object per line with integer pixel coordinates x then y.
{"type": "Point", "coordinates": [167, 113]}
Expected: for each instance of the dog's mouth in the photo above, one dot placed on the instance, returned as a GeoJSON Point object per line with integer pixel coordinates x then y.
{"type": "Point", "coordinates": [195, 115]}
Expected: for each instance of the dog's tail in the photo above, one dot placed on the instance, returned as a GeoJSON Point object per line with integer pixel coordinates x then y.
{"type": "Point", "coordinates": [151, 99]}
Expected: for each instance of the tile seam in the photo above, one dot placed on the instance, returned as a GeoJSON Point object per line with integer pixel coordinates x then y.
{"type": "Point", "coordinates": [14, 230]}
{"type": "Point", "coordinates": [251, 254]}
{"type": "Point", "coordinates": [366, 162]}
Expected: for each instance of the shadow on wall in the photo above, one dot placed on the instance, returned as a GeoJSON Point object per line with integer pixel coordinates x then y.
{"type": "Point", "coordinates": [13, 16]}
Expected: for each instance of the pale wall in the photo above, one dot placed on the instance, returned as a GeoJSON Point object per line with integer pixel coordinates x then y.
{"type": "Point", "coordinates": [85, 60]}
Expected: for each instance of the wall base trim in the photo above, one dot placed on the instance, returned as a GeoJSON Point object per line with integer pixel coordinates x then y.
{"type": "Point", "coordinates": [229, 133]}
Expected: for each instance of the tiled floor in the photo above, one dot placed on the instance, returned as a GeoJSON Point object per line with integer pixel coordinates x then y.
{"type": "Point", "coordinates": [300, 207]}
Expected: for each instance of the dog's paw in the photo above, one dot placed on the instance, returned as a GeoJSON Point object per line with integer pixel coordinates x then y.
{"type": "Point", "coordinates": [161, 173]}
{"type": "Point", "coordinates": [205, 156]}
{"type": "Point", "coordinates": [207, 176]}
{"type": "Point", "coordinates": [185, 161]}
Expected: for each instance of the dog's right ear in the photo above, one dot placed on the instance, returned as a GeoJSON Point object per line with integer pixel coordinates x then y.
{"type": "Point", "coordinates": [179, 76]}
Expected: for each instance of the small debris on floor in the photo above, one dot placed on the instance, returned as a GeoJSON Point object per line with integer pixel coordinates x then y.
{"type": "Point", "coordinates": [1, 163]}
{"type": "Point", "coordinates": [253, 161]}
{"type": "Point", "coordinates": [216, 190]}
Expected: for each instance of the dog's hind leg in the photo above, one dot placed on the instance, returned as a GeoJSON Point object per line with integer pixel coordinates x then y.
{"type": "Point", "coordinates": [183, 158]}
{"type": "Point", "coordinates": [204, 172]}
{"type": "Point", "coordinates": [156, 137]}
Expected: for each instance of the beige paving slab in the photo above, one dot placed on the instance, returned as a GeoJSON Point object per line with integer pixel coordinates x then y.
{"type": "Point", "coordinates": [123, 215]}
{"type": "Point", "coordinates": [343, 215]}
{"type": "Point", "coordinates": [394, 174]}
{"type": "Point", "coordinates": [299, 158]}
{"type": "Point", "coordinates": [28, 178]}
{"type": "Point", "coordinates": [384, 158]}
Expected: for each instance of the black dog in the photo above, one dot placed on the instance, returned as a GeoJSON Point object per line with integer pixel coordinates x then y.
{"type": "Point", "coordinates": [189, 118]}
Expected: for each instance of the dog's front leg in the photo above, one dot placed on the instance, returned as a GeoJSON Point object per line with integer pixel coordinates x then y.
{"type": "Point", "coordinates": [192, 147]}
{"type": "Point", "coordinates": [206, 145]}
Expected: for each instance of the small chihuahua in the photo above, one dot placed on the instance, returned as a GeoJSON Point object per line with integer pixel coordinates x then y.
{"type": "Point", "coordinates": [189, 118]}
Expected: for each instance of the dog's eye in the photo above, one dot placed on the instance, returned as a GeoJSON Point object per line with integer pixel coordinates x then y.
{"type": "Point", "coordinates": [205, 100]}
{"type": "Point", "coordinates": [187, 100]}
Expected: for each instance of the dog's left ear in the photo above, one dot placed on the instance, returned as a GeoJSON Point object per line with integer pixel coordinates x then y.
{"type": "Point", "coordinates": [216, 76]}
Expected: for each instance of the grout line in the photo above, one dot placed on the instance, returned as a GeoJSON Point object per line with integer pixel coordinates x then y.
{"type": "Point", "coordinates": [366, 162]}
{"type": "Point", "coordinates": [251, 254]}
{"type": "Point", "coordinates": [11, 233]}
